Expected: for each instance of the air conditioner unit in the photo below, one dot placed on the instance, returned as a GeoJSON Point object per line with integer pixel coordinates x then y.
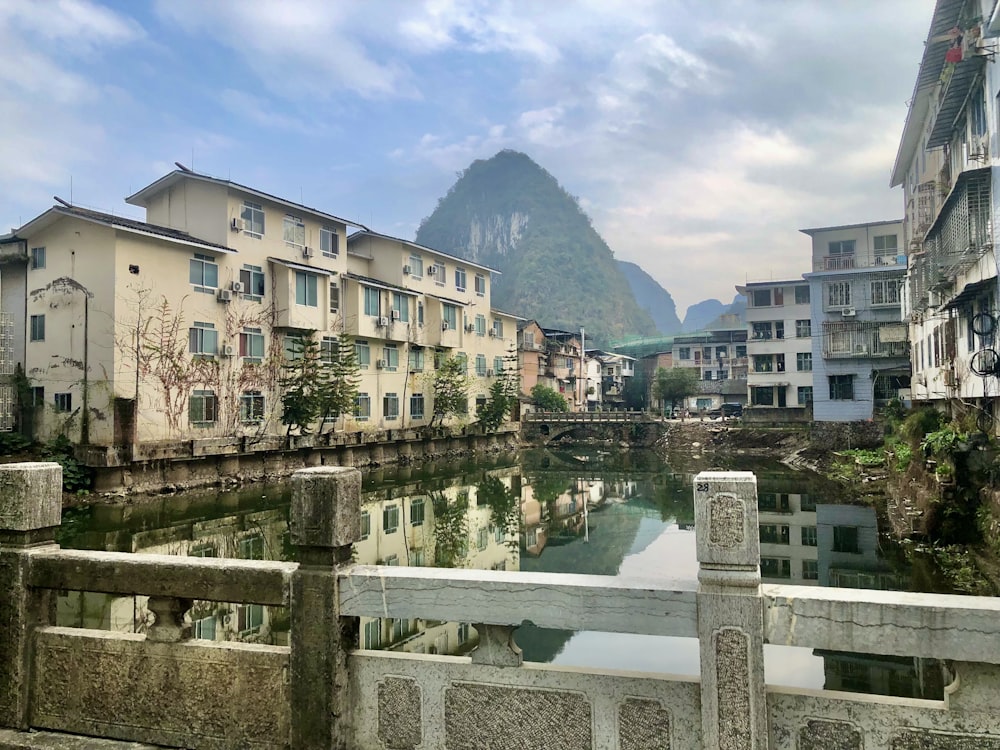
{"type": "Point", "coordinates": [307, 252]}
{"type": "Point", "coordinates": [382, 322]}
{"type": "Point", "coordinates": [469, 327]}
{"type": "Point", "coordinates": [228, 350]}
{"type": "Point", "coordinates": [432, 270]}
{"type": "Point", "coordinates": [860, 349]}
{"type": "Point", "coordinates": [949, 378]}
{"type": "Point", "coordinates": [489, 373]}
{"type": "Point", "coordinates": [237, 225]}
{"type": "Point", "coordinates": [407, 270]}
{"type": "Point", "coordinates": [445, 326]}
{"type": "Point", "coordinates": [395, 314]}
{"type": "Point", "coordinates": [237, 287]}
{"type": "Point", "coordinates": [493, 333]}
{"type": "Point", "coordinates": [380, 364]}
{"type": "Point", "coordinates": [848, 312]}
{"type": "Point", "coordinates": [225, 295]}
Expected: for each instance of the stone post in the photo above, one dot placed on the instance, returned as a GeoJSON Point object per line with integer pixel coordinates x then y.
{"type": "Point", "coordinates": [30, 511]}
{"type": "Point", "coordinates": [730, 612]}
{"type": "Point", "coordinates": [325, 522]}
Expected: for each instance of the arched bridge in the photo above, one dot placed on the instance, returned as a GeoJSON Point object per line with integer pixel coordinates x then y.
{"type": "Point", "coordinates": [634, 427]}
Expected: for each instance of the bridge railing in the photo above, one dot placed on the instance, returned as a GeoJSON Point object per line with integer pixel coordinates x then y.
{"type": "Point", "coordinates": [322, 691]}
{"type": "Point", "coordinates": [578, 417]}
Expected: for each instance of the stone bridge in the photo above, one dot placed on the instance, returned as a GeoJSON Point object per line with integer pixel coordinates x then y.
{"type": "Point", "coordinates": [636, 428]}
{"type": "Point", "coordinates": [63, 687]}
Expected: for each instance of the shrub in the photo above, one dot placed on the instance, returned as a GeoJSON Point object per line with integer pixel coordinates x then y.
{"type": "Point", "coordinates": [76, 476]}
{"type": "Point", "coordinates": [919, 423]}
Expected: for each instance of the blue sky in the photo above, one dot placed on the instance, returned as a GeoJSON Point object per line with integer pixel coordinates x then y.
{"type": "Point", "coordinates": [699, 135]}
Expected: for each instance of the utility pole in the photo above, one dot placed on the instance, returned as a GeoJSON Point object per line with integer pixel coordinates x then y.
{"type": "Point", "coordinates": [583, 373]}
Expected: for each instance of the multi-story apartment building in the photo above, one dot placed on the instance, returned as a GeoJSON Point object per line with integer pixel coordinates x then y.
{"type": "Point", "coordinates": [787, 535]}
{"type": "Point", "coordinates": [614, 372]}
{"type": "Point", "coordinates": [946, 163]}
{"type": "Point", "coordinates": [779, 348]}
{"type": "Point", "coordinates": [859, 343]}
{"type": "Point", "coordinates": [181, 326]}
{"type": "Point", "coordinates": [720, 358]}
{"type": "Point", "coordinates": [553, 358]}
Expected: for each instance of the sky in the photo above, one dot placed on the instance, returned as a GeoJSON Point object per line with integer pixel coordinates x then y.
{"type": "Point", "coordinates": [699, 135]}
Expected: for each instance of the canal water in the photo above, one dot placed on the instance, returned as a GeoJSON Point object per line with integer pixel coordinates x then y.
{"type": "Point", "coordinates": [577, 511]}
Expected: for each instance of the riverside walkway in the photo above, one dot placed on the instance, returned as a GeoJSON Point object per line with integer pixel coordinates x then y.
{"type": "Point", "coordinates": [61, 687]}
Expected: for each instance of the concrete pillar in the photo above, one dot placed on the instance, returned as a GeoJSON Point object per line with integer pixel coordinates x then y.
{"type": "Point", "coordinates": [730, 612]}
{"type": "Point", "coordinates": [325, 522]}
{"type": "Point", "coordinates": [30, 511]}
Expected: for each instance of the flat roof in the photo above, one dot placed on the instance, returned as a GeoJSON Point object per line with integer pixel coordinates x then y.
{"type": "Point", "coordinates": [816, 230]}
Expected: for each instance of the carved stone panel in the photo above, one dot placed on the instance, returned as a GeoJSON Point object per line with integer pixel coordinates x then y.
{"type": "Point", "coordinates": [819, 734]}
{"type": "Point", "coordinates": [400, 723]}
{"type": "Point", "coordinates": [643, 724]}
{"type": "Point", "coordinates": [726, 520]}
{"type": "Point", "coordinates": [733, 680]}
{"type": "Point", "coordinates": [492, 717]}
{"type": "Point", "coordinates": [922, 739]}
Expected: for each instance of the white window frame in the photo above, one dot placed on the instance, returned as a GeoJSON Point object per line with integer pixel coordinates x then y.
{"type": "Point", "coordinates": [207, 267]}
{"type": "Point", "coordinates": [390, 406]}
{"type": "Point", "coordinates": [37, 328]}
{"type": "Point", "coordinates": [37, 258]}
{"type": "Point", "coordinates": [308, 284]}
{"type": "Point", "coordinates": [480, 282]}
{"type": "Point", "coordinates": [252, 405]}
{"type": "Point", "coordinates": [362, 407]}
{"type": "Point", "coordinates": [252, 215]}
{"type": "Point", "coordinates": [329, 242]}
{"type": "Point", "coordinates": [293, 231]}
{"type": "Point", "coordinates": [203, 339]}
{"type": "Point", "coordinates": [252, 278]}
{"type": "Point", "coordinates": [251, 340]}
{"type": "Point", "coordinates": [461, 280]}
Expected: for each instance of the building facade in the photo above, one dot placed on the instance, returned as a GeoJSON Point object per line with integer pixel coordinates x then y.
{"type": "Point", "coordinates": [860, 353]}
{"type": "Point", "coordinates": [182, 326]}
{"type": "Point", "coordinates": [719, 356]}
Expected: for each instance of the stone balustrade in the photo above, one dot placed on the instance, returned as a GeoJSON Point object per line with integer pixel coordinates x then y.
{"type": "Point", "coordinates": [60, 684]}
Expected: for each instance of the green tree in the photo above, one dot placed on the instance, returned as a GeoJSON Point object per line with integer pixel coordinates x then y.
{"type": "Point", "coordinates": [548, 399]}
{"type": "Point", "coordinates": [674, 385]}
{"type": "Point", "coordinates": [451, 388]}
{"type": "Point", "coordinates": [341, 388]}
{"type": "Point", "coordinates": [503, 395]}
{"type": "Point", "coordinates": [304, 382]}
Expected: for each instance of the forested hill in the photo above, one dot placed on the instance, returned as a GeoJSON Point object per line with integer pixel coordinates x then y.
{"type": "Point", "coordinates": [652, 298]}
{"type": "Point", "coordinates": [510, 214]}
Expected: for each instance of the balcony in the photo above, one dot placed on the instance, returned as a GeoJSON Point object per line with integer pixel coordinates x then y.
{"type": "Point", "coordinates": [852, 262]}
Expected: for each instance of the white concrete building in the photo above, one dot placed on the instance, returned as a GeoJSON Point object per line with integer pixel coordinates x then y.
{"type": "Point", "coordinates": [859, 353]}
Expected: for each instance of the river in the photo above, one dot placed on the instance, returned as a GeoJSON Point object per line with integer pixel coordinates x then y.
{"type": "Point", "coordinates": [576, 511]}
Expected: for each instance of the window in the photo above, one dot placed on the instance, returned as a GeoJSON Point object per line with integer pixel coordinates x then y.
{"type": "Point", "coordinates": [37, 258]}
{"type": "Point", "coordinates": [838, 294]}
{"type": "Point", "coordinates": [390, 353]}
{"type": "Point", "coordinates": [373, 634]}
{"type": "Point", "coordinates": [38, 328]}
{"type": "Point", "coordinates": [763, 363]}
{"type": "Point", "coordinates": [203, 272]}
{"type": "Point", "coordinates": [497, 328]}
{"type": "Point", "coordinates": [420, 312]}
{"type": "Point", "coordinates": [366, 524]}
{"type": "Point", "coordinates": [329, 242]}
{"type": "Point", "coordinates": [417, 406]}
{"type": "Point", "coordinates": [808, 536]}
{"type": "Point", "coordinates": [252, 547]}
{"type": "Point", "coordinates": [415, 361]}
{"type": "Point", "coordinates": [528, 339]}
{"type": "Point", "coordinates": [463, 362]}
{"type": "Point", "coordinates": [761, 330]}
{"type": "Point", "coordinates": [807, 502]}
{"type": "Point", "coordinates": [401, 306]}
{"type": "Point", "coordinates": [252, 345]}
{"type": "Point", "coordinates": [390, 406]}
{"type": "Point", "coordinates": [772, 501]}
{"type": "Point", "coordinates": [841, 387]}
{"type": "Point", "coordinates": [329, 349]}
{"type": "Point", "coordinates": [203, 339]}
{"type": "Point", "coordinates": [480, 325]}
{"type": "Point", "coordinates": [293, 348]}
{"type": "Point", "coordinates": [845, 539]}
{"type": "Point", "coordinates": [37, 395]}
{"type": "Point", "coordinates": [480, 284]}
{"type": "Point", "coordinates": [249, 618]}
{"type": "Point", "coordinates": [253, 219]}
{"type": "Point", "coordinates": [440, 273]}
{"type": "Point", "coordinates": [803, 329]}
{"type": "Point", "coordinates": [362, 353]}
{"type": "Point", "coordinates": [371, 302]}
{"type": "Point", "coordinates": [416, 266]}
{"type": "Point", "coordinates": [203, 407]}
{"type": "Point", "coordinates": [741, 350]}
{"type": "Point", "coordinates": [64, 401]}
{"type": "Point", "coordinates": [334, 297]}
{"type": "Point", "coordinates": [460, 279]}
{"type": "Point", "coordinates": [775, 567]}
{"type": "Point", "coordinates": [482, 538]}
{"type": "Point", "coordinates": [497, 365]}
{"type": "Point", "coordinates": [762, 395]}
{"type": "Point", "coordinates": [810, 570]}
{"type": "Point", "coordinates": [721, 352]}
{"type": "Point", "coordinates": [779, 329]}
{"type": "Point", "coordinates": [480, 403]}
{"type": "Point", "coordinates": [204, 629]}
{"type": "Point", "coordinates": [449, 316]}
{"type": "Point", "coordinates": [252, 279]}
{"type": "Point", "coordinates": [294, 232]}
{"type": "Point", "coordinates": [684, 352]}
{"type": "Point", "coordinates": [801, 295]}
{"type": "Point", "coordinates": [481, 365]}
{"type": "Point", "coordinates": [771, 533]}
{"type": "Point", "coordinates": [390, 519]}
{"type": "Point", "coordinates": [708, 374]}
{"type": "Point", "coordinates": [760, 298]}
{"type": "Point", "coordinates": [805, 395]}
{"type": "Point", "coordinates": [842, 247]}
{"type": "Point", "coordinates": [362, 407]}
{"type": "Point", "coordinates": [252, 407]}
{"type": "Point", "coordinates": [417, 512]}
{"type": "Point", "coordinates": [885, 292]}
{"type": "Point", "coordinates": [886, 245]}
{"type": "Point", "coordinates": [306, 289]}
{"type": "Point", "coordinates": [804, 361]}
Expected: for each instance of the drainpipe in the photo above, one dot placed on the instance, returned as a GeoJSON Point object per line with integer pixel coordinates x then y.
{"type": "Point", "coordinates": [85, 418]}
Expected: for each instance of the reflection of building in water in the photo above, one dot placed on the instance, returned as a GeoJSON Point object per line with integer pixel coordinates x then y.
{"type": "Point", "coordinates": [848, 557]}
{"type": "Point", "coordinates": [787, 536]}
{"type": "Point", "coordinates": [455, 526]}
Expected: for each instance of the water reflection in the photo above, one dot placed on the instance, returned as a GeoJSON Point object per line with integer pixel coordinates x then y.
{"type": "Point", "coordinates": [596, 513]}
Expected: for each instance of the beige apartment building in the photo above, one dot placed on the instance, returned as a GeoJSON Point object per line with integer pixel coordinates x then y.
{"type": "Point", "coordinates": [179, 327]}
